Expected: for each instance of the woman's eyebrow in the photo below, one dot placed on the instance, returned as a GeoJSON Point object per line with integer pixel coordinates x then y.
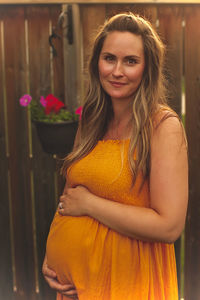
{"type": "Point", "coordinates": [126, 57]}
{"type": "Point", "coordinates": [132, 56]}
{"type": "Point", "coordinates": [107, 53]}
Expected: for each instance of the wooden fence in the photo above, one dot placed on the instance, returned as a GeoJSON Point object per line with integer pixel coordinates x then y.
{"type": "Point", "coordinates": [29, 179]}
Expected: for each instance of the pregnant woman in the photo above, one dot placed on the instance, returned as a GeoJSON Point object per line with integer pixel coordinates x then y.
{"type": "Point", "coordinates": [125, 199]}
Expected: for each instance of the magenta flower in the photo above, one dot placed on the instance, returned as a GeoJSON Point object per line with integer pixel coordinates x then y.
{"type": "Point", "coordinates": [53, 105]}
{"type": "Point", "coordinates": [79, 111]}
{"type": "Point", "coordinates": [43, 101]}
{"type": "Point", "coordinates": [25, 100]}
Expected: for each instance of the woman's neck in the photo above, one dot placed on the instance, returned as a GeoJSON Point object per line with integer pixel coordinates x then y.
{"type": "Point", "coordinates": [122, 110]}
{"type": "Point", "coordinates": [120, 125]}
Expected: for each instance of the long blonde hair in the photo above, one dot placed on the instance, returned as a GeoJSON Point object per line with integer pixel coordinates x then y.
{"type": "Point", "coordinates": [150, 95]}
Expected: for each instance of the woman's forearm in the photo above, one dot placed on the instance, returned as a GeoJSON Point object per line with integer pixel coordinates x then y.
{"type": "Point", "coordinates": [133, 221]}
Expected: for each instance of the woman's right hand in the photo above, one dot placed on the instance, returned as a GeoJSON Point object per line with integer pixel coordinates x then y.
{"type": "Point", "coordinates": [51, 278]}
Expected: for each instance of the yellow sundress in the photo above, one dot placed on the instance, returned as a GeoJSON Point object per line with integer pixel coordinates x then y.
{"type": "Point", "coordinates": [101, 263]}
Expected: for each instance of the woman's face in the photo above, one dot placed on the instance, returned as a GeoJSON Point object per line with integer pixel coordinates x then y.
{"type": "Point", "coordinates": [121, 64]}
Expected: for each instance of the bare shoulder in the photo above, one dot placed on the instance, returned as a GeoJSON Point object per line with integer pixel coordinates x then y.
{"type": "Point", "coordinates": [168, 128]}
{"type": "Point", "coordinates": [162, 115]}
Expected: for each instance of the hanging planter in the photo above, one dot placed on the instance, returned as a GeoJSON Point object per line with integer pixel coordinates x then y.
{"type": "Point", "coordinates": [57, 138]}
{"type": "Point", "coordinates": [56, 126]}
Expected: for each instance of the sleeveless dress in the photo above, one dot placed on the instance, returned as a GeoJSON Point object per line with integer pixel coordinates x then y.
{"type": "Point", "coordinates": [101, 263]}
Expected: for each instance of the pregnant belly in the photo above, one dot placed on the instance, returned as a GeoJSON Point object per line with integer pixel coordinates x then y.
{"type": "Point", "coordinates": [71, 247]}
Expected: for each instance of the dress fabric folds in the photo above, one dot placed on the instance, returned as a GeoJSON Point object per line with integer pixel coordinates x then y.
{"type": "Point", "coordinates": [101, 263]}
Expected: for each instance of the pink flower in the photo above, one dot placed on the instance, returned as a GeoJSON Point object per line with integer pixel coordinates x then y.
{"type": "Point", "coordinates": [25, 100]}
{"type": "Point", "coordinates": [79, 111]}
{"type": "Point", "coordinates": [43, 101]}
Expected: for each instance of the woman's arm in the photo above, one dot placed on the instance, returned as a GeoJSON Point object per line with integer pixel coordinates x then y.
{"type": "Point", "coordinates": [165, 219]}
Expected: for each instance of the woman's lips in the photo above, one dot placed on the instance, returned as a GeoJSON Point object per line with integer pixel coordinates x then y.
{"type": "Point", "coordinates": [117, 84]}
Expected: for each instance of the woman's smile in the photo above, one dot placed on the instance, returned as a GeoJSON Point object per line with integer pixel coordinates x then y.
{"type": "Point", "coordinates": [117, 84]}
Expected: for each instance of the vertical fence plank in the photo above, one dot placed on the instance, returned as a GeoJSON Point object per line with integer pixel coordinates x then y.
{"type": "Point", "coordinates": [43, 164]}
{"type": "Point", "coordinates": [70, 61]}
{"type": "Point", "coordinates": [79, 52]}
{"type": "Point", "coordinates": [57, 60]}
{"type": "Point", "coordinates": [92, 16]}
{"type": "Point", "coordinates": [170, 29]}
{"type": "Point", "coordinates": [15, 65]}
{"type": "Point", "coordinates": [6, 282]}
{"type": "Point", "coordinates": [192, 75]}
{"type": "Point", "coordinates": [148, 11]}
{"type": "Point", "coordinates": [58, 80]}
{"type": "Point", "coordinates": [113, 9]}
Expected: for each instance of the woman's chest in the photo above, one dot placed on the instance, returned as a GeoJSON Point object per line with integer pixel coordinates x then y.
{"type": "Point", "coordinates": [106, 173]}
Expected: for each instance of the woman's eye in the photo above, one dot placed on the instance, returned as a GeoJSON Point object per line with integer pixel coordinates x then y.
{"type": "Point", "coordinates": [109, 58]}
{"type": "Point", "coordinates": [131, 61]}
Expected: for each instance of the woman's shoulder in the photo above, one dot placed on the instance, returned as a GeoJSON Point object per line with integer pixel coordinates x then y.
{"type": "Point", "coordinates": [165, 114]}
{"type": "Point", "coordinates": [167, 124]}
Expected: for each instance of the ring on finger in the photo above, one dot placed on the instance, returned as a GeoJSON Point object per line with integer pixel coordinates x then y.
{"type": "Point", "coordinates": [60, 205]}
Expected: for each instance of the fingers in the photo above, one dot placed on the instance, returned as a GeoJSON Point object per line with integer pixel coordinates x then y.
{"type": "Point", "coordinates": [62, 197]}
{"type": "Point", "coordinates": [60, 205]}
{"type": "Point", "coordinates": [51, 278]}
{"type": "Point", "coordinates": [69, 291]}
{"type": "Point", "coordinates": [48, 272]}
{"type": "Point", "coordinates": [72, 294]}
{"type": "Point", "coordinates": [66, 289]}
{"type": "Point", "coordinates": [60, 208]}
{"type": "Point", "coordinates": [61, 288]}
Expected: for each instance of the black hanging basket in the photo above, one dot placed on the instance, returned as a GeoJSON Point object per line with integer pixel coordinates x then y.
{"type": "Point", "coordinates": [57, 138]}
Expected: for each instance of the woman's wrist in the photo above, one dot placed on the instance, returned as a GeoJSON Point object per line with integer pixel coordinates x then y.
{"type": "Point", "coordinates": [89, 204]}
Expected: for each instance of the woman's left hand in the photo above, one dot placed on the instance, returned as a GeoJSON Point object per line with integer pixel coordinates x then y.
{"type": "Point", "coordinates": [73, 201]}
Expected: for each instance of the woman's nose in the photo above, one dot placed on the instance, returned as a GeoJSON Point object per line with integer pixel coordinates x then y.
{"type": "Point", "coordinates": [118, 70]}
